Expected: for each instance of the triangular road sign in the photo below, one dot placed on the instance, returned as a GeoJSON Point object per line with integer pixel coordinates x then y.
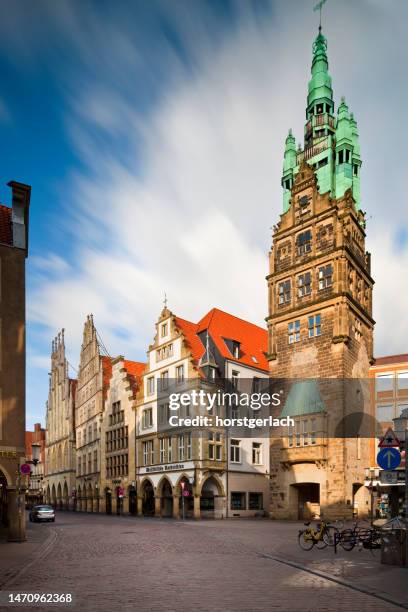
{"type": "Point", "coordinates": [389, 439]}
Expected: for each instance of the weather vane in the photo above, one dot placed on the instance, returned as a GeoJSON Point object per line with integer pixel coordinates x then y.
{"type": "Point", "coordinates": [318, 7]}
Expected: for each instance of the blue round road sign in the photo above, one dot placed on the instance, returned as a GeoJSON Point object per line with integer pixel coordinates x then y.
{"type": "Point", "coordinates": [389, 458]}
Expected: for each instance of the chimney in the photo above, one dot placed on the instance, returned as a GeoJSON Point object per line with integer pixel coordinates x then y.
{"type": "Point", "coordinates": [20, 204]}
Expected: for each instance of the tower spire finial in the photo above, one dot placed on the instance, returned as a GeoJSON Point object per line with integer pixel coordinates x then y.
{"type": "Point", "coordinates": [165, 300]}
{"type": "Point", "coordinates": [318, 7]}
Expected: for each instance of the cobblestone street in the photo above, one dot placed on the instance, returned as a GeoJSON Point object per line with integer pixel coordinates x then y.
{"type": "Point", "coordinates": [149, 564]}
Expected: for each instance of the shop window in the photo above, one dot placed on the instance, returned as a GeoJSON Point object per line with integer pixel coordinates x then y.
{"type": "Point", "coordinates": [238, 500]}
{"type": "Point", "coordinates": [255, 501]}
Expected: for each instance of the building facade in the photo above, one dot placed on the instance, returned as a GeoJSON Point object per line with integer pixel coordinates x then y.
{"type": "Point", "coordinates": [320, 311]}
{"type": "Point", "coordinates": [94, 374]}
{"type": "Point", "coordinates": [185, 470]}
{"type": "Point", "coordinates": [118, 438]}
{"type": "Point", "coordinates": [389, 392]}
{"type": "Point", "coordinates": [35, 493]}
{"type": "Point", "coordinates": [13, 253]}
{"type": "Point", "coordinates": [60, 481]}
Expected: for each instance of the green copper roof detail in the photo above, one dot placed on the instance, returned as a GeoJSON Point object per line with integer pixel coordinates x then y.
{"type": "Point", "coordinates": [290, 152]}
{"type": "Point", "coordinates": [303, 398]}
{"type": "Point", "coordinates": [343, 128]}
{"type": "Point", "coordinates": [320, 85]}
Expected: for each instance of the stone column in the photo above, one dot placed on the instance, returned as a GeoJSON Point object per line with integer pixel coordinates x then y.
{"type": "Point", "coordinates": [176, 507]}
{"type": "Point", "coordinates": [157, 506]}
{"type": "Point", "coordinates": [140, 506]}
{"type": "Point", "coordinates": [197, 513]}
{"type": "Point", "coordinates": [16, 516]}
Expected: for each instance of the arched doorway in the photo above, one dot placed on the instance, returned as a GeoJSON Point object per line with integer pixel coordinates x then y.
{"type": "Point", "coordinates": [186, 502]}
{"type": "Point", "coordinates": [65, 495]}
{"type": "Point", "coordinates": [212, 499]}
{"type": "Point", "coordinates": [3, 500]}
{"type": "Point", "coordinates": [108, 500]}
{"type": "Point", "coordinates": [89, 501]}
{"type": "Point", "coordinates": [166, 498]}
{"type": "Point", "coordinates": [132, 499]}
{"type": "Point", "coordinates": [307, 499]}
{"type": "Point", "coordinates": [53, 496]}
{"type": "Point", "coordinates": [148, 498]}
{"type": "Point", "coordinates": [59, 497]}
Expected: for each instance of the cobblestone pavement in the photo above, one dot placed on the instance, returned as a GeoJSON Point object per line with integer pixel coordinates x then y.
{"type": "Point", "coordinates": [110, 562]}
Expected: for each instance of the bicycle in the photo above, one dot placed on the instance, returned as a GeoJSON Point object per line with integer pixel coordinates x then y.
{"type": "Point", "coordinates": [322, 536]}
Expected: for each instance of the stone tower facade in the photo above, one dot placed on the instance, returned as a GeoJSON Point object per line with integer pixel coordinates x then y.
{"type": "Point", "coordinates": [59, 481]}
{"type": "Point", "coordinates": [320, 312]}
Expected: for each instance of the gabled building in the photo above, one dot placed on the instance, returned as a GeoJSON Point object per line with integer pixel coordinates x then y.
{"type": "Point", "coordinates": [199, 472]}
{"type": "Point", "coordinates": [60, 463]}
{"type": "Point", "coordinates": [94, 374]}
{"type": "Point", "coordinates": [320, 310]}
{"type": "Point", "coordinates": [118, 438]}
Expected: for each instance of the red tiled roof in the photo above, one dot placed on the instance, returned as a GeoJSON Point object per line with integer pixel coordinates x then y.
{"type": "Point", "coordinates": [135, 370]}
{"type": "Point", "coordinates": [189, 330]}
{"type": "Point", "coordinates": [107, 372]}
{"type": "Point", "coordinates": [6, 235]}
{"type": "Point", "coordinates": [252, 338]}
{"type": "Point", "coordinates": [391, 359]}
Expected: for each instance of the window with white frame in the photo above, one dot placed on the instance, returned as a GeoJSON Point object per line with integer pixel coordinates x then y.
{"type": "Point", "coordinates": [214, 446]}
{"type": "Point", "coordinates": [384, 382]}
{"type": "Point", "coordinates": [304, 284]}
{"type": "Point", "coordinates": [325, 276]}
{"type": "Point", "coordinates": [147, 418]}
{"type": "Point", "coordinates": [314, 326]}
{"type": "Point", "coordinates": [235, 451]}
{"type": "Point", "coordinates": [304, 242]}
{"type": "Point", "coordinates": [163, 330]}
{"type": "Point", "coordinates": [169, 449]}
{"type": "Point", "coordinates": [180, 373]}
{"type": "Point", "coordinates": [164, 413]}
{"type": "Point", "coordinates": [257, 453]}
{"type": "Point", "coordinates": [162, 450]}
{"type": "Point", "coordinates": [402, 380]}
{"type": "Point", "coordinates": [312, 431]}
{"type": "Point", "coordinates": [235, 379]}
{"type": "Point", "coordinates": [181, 448]}
{"type": "Point", "coordinates": [385, 412]}
{"type": "Point", "coordinates": [150, 385]}
{"type": "Point", "coordinates": [284, 292]}
{"type": "Point", "coordinates": [164, 380]}
{"type": "Point", "coordinates": [294, 331]}
{"type": "Point", "coordinates": [188, 446]}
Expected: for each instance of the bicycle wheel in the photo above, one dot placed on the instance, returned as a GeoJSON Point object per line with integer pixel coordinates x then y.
{"type": "Point", "coordinates": [347, 539]}
{"type": "Point", "coordinates": [321, 543]}
{"type": "Point", "coordinates": [329, 533]}
{"type": "Point", "coordinates": [306, 542]}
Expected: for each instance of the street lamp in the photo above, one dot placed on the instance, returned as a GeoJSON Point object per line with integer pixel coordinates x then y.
{"type": "Point", "coordinates": [35, 451]}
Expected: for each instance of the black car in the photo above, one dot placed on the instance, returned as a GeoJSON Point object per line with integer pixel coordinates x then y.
{"type": "Point", "coordinates": [42, 513]}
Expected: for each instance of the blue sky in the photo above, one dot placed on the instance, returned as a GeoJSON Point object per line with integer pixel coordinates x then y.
{"type": "Point", "coordinates": [152, 135]}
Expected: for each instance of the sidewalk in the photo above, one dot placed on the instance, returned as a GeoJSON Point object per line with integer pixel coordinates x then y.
{"type": "Point", "coordinates": [15, 556]}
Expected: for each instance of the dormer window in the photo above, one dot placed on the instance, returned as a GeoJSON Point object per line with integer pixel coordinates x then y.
{"type": "Point", "coordinates": [164, 328]}
{"type": "Point", "coordinates": [236, 349]}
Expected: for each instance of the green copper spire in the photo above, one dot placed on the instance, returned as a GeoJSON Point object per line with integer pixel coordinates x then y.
{"type": "Point", "coordinates": [331, 144]}
{"type": "Point", "coordinates": [320, 85]}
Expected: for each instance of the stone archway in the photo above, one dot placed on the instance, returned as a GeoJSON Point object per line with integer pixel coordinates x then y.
{"type": "Point", "coordinates": [185, 494]}
{"type": "Point", "coordinates": [165, 492]}
{"type": "Point", "coordinates": [147, 491]}
{"type": "Point", "coordinates": [48, 495]}
{"type": "Point", "coordinates": [79, 499]}
{"type": "Point", "coordinates": [53, 496]}
{"type": "Point", "coordinates": [89, 501]}
{"type": "Point", "coordinates": [212, 498]}
{"type": "Point", "coordinates": [59, 496]}
{"type": "Point", "coordinates": [65, 496]}
{"type": "Point", "coordinates": [306, 497]}
{"type": "Point", "coordinates": [3, 500]}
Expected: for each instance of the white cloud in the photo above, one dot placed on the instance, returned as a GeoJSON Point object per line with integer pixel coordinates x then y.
{"type": "Point", "coordinates": [191, 214]}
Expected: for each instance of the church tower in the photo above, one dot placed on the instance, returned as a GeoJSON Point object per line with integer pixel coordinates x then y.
{"type": "Point", "coordinates": [320, 310]}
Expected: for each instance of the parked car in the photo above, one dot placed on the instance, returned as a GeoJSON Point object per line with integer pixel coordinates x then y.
{"type": "Point", "coordinates": [42, 513]}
